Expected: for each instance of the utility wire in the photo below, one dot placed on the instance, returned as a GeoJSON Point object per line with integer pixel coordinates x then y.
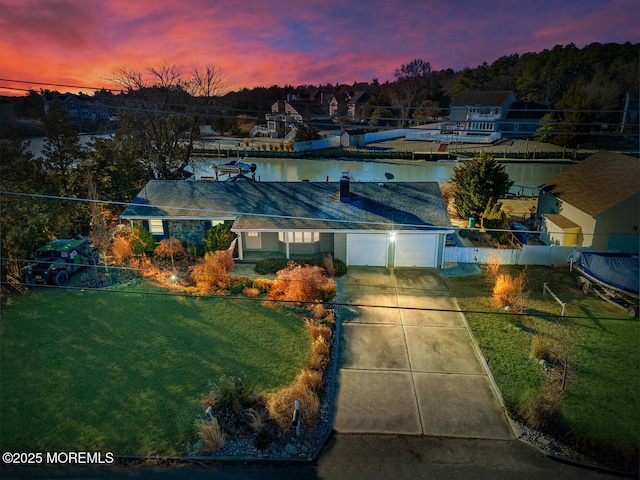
{"type": "Point", "coordinates": [297, 302]}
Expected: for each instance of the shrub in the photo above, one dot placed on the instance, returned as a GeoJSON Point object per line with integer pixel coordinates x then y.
{"type": "Point", "coordinates": [329, 320]}
{"type": "Point", "coordinates": [230, 392]}
{"type": "Point", "coordinates": [311, 379]}
{"type": "Point", "coordinates": [544, 411]}
{"type": "Point", "coordinates": [251, 291]}
{"type": "Point", "coordinates": [141, 241]}
{"type": "Point", "coordinates": [320, 350]}
{"type": "Point", "coordinates": [318, 311]}
{"type": "Point", "coordinates": [328, 291]}
{"type": "Point", "coordinates": [319, 331]}
{"type": "Point", "coordinates": [269, 266]}
{"type": "Point", "coordinates": [212, 436]}
{"type": "Point", "coordinates": [213, 271]}
{"type": "Point", "coordinates": [340, 268]}
{"type": "Point", "coordinates": [320, 347]}
{"type": "Point", "coordinates": [493, 218]}
{"type": "Point", "coordinates": [170, 248]}
{"type": "Point", "coordinates": [256, 420]}
{"type": "Point", "coordinates": [219, 237]}
{"type": "Point", "coordinates": [541, 348]}
{"type": "Point", "coordinates": [238, 284]}
{"type": "Point", "coordinates": [280, 406]}
{"type": "Point", "coordinates": [193, 250]}
{"type": "Point", "coordinates": [301, 284]}
{"type": "Point", "coordinates": [121, 249]}
{"type": "Point", "coordinates": [509, 291]}
{"type": "Point", "coordinates": [262, 284]}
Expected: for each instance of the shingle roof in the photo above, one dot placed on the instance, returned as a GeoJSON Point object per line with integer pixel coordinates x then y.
{"type": "Point", "coordinates": [597, 183]}
{"type": "Point", "coordinates": [295, 205]}
{"type": "Point", "coordinates": [483, 99]}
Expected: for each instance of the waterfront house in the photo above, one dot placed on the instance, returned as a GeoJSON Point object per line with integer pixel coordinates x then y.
{"type": "Point", "coordinates": [376, 224]}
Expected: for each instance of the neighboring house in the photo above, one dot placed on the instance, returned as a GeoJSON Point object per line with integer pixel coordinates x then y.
{"type": "Point", "coordinates": [594, 204]}
{"type": "Point", "coordinates": [286, 115]}
{"type": "Point", "coordinates": [355, 101]}
{"type": "Point", "coordinates": [7, 112]}
{"type": "Point", "coordinates": [80, 107]}
{"type": "Point", "coordinates": [523, 118]}
{"type": "Point", "coordinates": [479, 112]}
{"type": "Point", "coordinates": [401, 224]}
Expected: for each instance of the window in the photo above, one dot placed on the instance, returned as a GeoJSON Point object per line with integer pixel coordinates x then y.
{"type": "Point", "coordinates": [156, 227]}
{"type": "Point", "coordinates": [216, 222]}
{"type": "Point", "coordinates": [300, 237]}
{"type": "Point", "coordinates": [253, 234]}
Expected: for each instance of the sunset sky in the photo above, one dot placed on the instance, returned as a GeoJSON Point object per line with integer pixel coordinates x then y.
{"type": "Point", "coordinates": [288, 42]}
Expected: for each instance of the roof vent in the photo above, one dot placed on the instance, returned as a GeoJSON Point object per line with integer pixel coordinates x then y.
{"type": "Point", "coordinates": [345, 194]}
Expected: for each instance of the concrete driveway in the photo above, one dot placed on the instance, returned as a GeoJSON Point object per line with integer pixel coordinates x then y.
{"type": "Point", "coordinates": [407, 365]}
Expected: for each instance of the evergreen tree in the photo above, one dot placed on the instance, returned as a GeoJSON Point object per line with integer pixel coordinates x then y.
{"type": "Point", "coordinates": [219, 237]}
{"type": "Point", "coordinates": [494, 218]}
{"type": "Point", "coordinates": [479, 184]}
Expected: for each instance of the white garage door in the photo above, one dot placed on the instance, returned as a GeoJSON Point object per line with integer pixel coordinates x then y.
{"type": "Point", "coordinates": [416, 250]}
{"type": "Point", "coordinates": [367, 249]}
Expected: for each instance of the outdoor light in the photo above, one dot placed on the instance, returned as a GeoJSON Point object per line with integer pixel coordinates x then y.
{"type": "Point", "coordinates": [173, 278]}
{"type": "Point", "coordinates": [392, 236]}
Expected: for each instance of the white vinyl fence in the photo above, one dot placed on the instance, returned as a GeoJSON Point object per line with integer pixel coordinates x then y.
{"type": "Point", "coordinates": [329, 142]}
{"type": "Point", "coordinates": [529, 255]}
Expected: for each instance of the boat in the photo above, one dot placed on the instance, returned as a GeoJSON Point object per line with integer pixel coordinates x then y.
{"type": "Point", "coordinates": [613, 276]}
{"type": "Point", "coordinates": [234, 167]}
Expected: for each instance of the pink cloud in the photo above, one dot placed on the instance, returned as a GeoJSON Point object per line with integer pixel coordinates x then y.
{"type": "Point", "coordinates": [288, 42]}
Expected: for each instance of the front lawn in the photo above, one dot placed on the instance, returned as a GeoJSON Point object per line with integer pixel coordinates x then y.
{"type": "Point", "coordinates": [124, 372]}
{"type": "Point", "coordinates": [602, 403]}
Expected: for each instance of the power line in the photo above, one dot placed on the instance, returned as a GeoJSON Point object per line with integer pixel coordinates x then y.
{"type": "Point", "coordinates": [297, 302]}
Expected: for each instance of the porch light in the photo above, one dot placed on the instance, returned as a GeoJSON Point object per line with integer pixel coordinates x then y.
{"type": "Point", "coordinates": [392, 236]}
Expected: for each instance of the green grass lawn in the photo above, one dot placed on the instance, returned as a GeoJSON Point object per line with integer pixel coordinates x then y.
{"type": "Point", "coordinates": [603, 403]}
{"type": "Point", "coordinates": [124, 372]}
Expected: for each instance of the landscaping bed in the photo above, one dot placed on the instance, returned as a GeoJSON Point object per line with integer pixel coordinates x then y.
{"type": "Point", "coordinates": [576, 377]}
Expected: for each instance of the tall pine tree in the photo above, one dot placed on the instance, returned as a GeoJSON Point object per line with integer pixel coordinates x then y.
{"type": "Point", "coordinates": [479, 184]}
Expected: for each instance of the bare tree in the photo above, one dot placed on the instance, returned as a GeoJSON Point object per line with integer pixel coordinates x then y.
{"type": "Point", "coordinates": [161, 111]}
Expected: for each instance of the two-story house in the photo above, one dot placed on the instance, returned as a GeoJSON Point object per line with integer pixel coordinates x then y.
{"type": "Point", "coordinates": [480, 112]}
{"type": "Point", "coordinates": [287, 115]}
{"type": "Point", "coordinates": [80, 107]}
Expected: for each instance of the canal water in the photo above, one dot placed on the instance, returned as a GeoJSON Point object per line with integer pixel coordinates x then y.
{"type": "Point", "coordinates": [527, 175]}
{"type": "Point", "coordinates": [524, 175]}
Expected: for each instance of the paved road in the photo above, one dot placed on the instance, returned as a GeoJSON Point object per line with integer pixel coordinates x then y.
{"type": "Point", "coordinates": [405, 370]}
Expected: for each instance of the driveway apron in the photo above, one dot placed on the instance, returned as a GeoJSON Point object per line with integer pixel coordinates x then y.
{"type": "Point", "coordinates": [407, 364]}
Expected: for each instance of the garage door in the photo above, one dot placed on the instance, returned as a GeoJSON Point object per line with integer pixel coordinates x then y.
{"type": "Point", "coordinates": [416, 250]}
{"type": "Point", "coordinates": [367, 249]}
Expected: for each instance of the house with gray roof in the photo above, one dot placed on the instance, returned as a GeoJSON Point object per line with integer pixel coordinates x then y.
{"type": "Point", "coordinates": [594, 204]}
{"type": "Point", "coordinates": [481, 112]}
{"type": "Point", "coordinates": [361, 223]}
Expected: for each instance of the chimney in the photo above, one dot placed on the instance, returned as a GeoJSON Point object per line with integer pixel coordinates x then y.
{"type": "Point", "coordinates": [345, 195]}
